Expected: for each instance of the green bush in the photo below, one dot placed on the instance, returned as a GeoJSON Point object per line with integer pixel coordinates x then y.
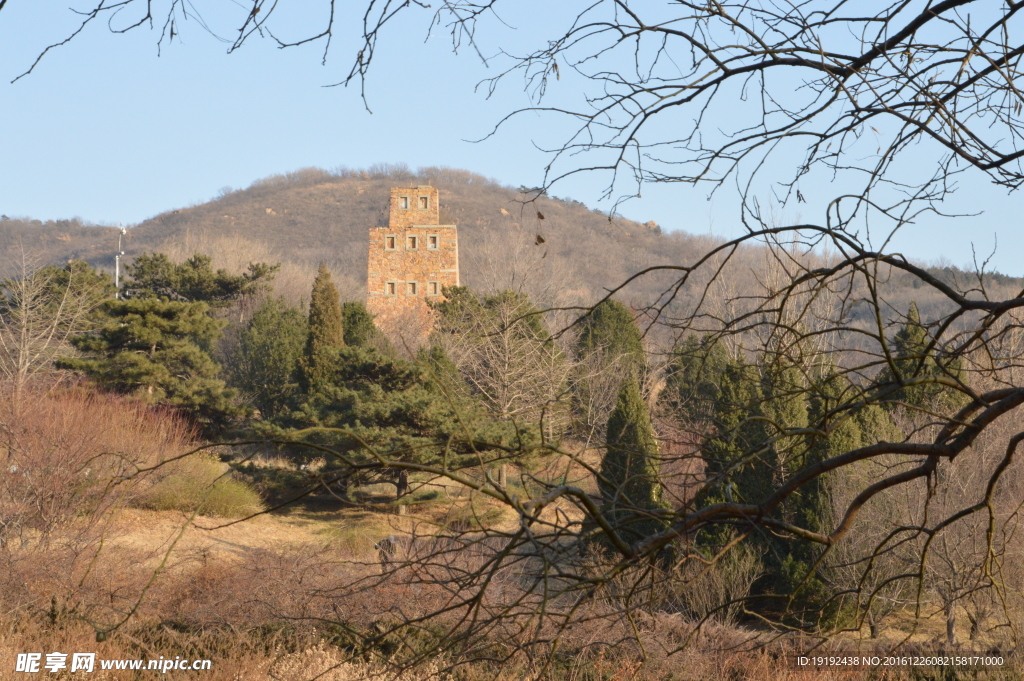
{"type": "Point", "coordinates": [200, 483]}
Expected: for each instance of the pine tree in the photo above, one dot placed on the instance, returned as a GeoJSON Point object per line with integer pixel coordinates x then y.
{"type": "Point", "coordinates": [159, 350]}
{"type": "Point", "coordinates": [158, 342]}
{"type": "Point", "coordinates": [153, 275]}
{"type": "Point", "coordinates": [326, 329]}
{"type": "Point", "coordinates": [395, 407]}
{"type": "Point", "coordinates": [630, 483]}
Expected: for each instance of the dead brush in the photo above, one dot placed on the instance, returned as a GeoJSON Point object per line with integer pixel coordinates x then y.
{"type": "Point", "coordinates": [70, 455]}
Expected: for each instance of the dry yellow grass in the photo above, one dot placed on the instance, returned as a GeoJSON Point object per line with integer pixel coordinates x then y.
{"type": "Point", "coordinates": [227, 589]}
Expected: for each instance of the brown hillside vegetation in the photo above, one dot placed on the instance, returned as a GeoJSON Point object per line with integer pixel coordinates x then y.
{"type": "Point", "coordinates": [311, 215]}
{"type": "Point", "coordinates": [302, 218]}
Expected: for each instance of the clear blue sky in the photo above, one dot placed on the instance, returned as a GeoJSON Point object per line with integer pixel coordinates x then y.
{"type": "Point", "coordinates": [106, 130]}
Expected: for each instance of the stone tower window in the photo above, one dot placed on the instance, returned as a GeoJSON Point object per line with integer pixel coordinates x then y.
{"type": "Point", "coordinates": [412, 288]}
{"type": "Point", "coordinates": [432, 288]}
{"type": "Point", "coordinates": [412, 243]}
{"type": "Point", "coordinates": [390, 288]}
{"type": "Point", "coordinates": [390, 242]}
{"type": "Point", "coordinates": [432, 242]}
{"type": "Point", "coordinates": [403, 203]}
{"type": "Point", "coordinates": [424, 202]}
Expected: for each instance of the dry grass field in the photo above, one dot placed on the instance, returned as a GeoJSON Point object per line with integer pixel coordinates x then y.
{"type": "Point", "coordinates": [278, 597]}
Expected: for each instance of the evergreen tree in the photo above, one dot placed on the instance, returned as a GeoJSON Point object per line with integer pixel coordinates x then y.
{"type": "Point", "coordinates": [609, 349]}
{"type": "Point", "coordinates": [393, 406]}
{"type": "Point", "coordinates": [789, 561]}
{"type": "Point", "coordinates": [754, 419]}
{"type": "Point", "coordinates": [630, 483]}
{"type": "Point", "coordinates": [326, 330]}
{"type": "Point", "coordinates": [360, 331]}
{"type": "Point", "coordinates": [610, 329]}
{"type": "Point", "coordinates": [693, 386]}
{"type": "Point", "coordinates": [153, 275]}
{"type": "Point", "coordinates": [159, 350]}
{"type": "Point", "coordinates": [158, 341]}
{"type": "Point", "coordinates": [730, 449]}
{"type": "Point", "coordinates": [268, 354]}
{"type": "Point", "coordinates": [772, 431]}
{"type": "Point", "coordinates": [759, 424]}
{"type": "Point", "coordinates": [442, 372]}
{"type": "Point", "coordinates": [914, 360]}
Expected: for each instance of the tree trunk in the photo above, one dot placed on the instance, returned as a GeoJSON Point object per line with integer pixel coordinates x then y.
{"type": "Point", "coordinates": [503, 475]}
{"type": "Point", "coordinates": [872, 626]}
{"type": "Point", "coordinates": [402, 485]}
{"type": "Point", "coordinates": [951, 623]}
{"type": "Point", "coordinates": [401, 489]}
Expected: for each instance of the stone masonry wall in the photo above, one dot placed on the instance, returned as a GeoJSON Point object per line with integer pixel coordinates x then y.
{"type": "Point", "coordinates": [410, 261]}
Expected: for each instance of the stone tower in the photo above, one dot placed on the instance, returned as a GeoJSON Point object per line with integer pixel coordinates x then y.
{"type": "Point", "coordinates": [410, 262]}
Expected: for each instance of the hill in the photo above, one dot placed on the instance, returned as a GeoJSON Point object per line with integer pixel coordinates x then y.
{"type": "Point", "coordinates": [300, 219]}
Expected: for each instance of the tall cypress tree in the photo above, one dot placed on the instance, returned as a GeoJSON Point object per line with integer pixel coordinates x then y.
{"type": "Point", "coordinates": [693, 386]}
{"type": "Point", "coordinates": [326, 330]}
{"type": "Point", "coordinates": [630, 482]}
{"type": "Point", "coordinates": [789, 561]}
{"type": "Point", "coordinates": [913, 360]}
{"type": "Point", "coordinates": [611, 329]}
{"type": "Point", "coordinates": [610, 348]}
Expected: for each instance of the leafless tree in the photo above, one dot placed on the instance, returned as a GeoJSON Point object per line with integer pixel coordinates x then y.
{"type": "Point", "coordinates": [508, 361]}
{"type": "Point", "coordinates": [865, 565]}
{"type": "Point", "coordinates": [40, 309]}
{"type": "Point", "coordinates": [889, 103]}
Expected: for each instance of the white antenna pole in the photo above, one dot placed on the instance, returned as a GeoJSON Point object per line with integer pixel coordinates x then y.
{"type": "Point", "coordinates": [117, 262]}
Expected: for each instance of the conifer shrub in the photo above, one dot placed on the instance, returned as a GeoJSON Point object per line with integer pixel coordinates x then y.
{"type": "Point", "coordinates": [326, 330]}
{"type": "Point", "coordinates": [630, 483]}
